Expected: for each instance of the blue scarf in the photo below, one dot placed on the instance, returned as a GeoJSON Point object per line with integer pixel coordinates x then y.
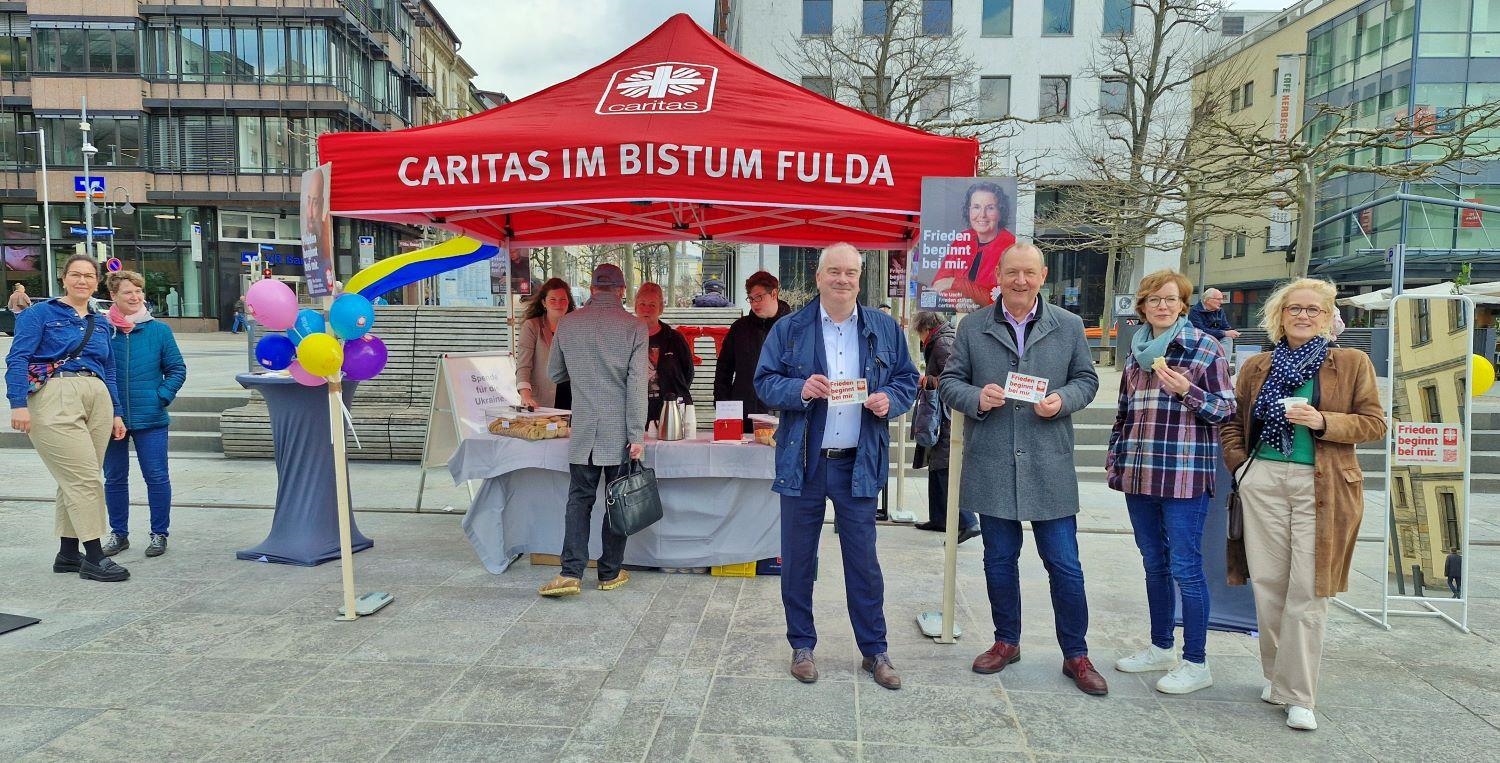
{"type": "Point", "coordinates": [1290, 369]}
{"type": "Point", "coordinates": [1147, 348]}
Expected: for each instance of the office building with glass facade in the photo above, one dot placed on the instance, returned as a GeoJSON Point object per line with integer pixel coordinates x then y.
{"type": "Point", "coordinates": [204, 117]}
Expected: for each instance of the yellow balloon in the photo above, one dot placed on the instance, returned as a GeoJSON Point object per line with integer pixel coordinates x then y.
{"type": "Point", "coordinates": [320, 355]}
{"type": "Point", "coordinates": [1484, 376]}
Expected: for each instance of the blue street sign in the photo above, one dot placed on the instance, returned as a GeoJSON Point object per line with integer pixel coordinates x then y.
{"type": "Point", "coordinates": [91, 184]}
{"type": "Point", "coordinates": [79, 230]}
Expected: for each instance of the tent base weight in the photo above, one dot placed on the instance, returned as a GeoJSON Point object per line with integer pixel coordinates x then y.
{"type": "Point", "coordinates": [931, 624]}
{"type": "Point", "coordinates": [370, 603]}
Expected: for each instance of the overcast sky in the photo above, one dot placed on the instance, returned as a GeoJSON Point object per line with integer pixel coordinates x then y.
{"type": "Point", "coordinates": [522, 46]}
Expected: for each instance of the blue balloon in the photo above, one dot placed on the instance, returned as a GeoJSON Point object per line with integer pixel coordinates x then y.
{"type": "Point", "coordinates": [275, 352]}
{"type": "Point", "coordinates": [308, 322]}
{"type": "Point", "coordinates": [351, 316]}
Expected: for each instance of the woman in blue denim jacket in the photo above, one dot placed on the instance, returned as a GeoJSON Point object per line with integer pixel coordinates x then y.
{"type": "Point", "coordinates": [150, 371]}
{"type": "Point", "coordinates": [60, 381]}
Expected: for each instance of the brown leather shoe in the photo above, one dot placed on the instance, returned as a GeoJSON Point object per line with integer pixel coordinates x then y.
{"type": "Point", "coordinates": [803, 667]}
{"type": "Point", "coordinates": [997, 657]}
{"type": "Point", "coordinates": [881, 668]}
{"type": "Point", "coordinates": [1083, 674]}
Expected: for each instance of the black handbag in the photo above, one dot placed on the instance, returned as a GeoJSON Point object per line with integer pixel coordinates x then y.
{"type": "Point", "coordinates": [1236, 507]}
{"type": "Point", "coordinates": [631, 502]}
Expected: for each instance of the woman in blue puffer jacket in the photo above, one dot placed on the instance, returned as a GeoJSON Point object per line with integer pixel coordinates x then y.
{"type": "Point", "coordinates": [150, 371]}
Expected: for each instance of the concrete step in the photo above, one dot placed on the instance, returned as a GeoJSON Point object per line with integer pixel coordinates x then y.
{"type": "Point", "coordinates": [209, 402]}
{"type": "Point", "coordinates": [195, 421]}
{"type": "Point", "coordinates": [177, 441]}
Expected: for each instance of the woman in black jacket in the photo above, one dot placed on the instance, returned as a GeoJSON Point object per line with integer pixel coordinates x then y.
{"type": "Point", "coordinates": [937, 346]}
{"type": "Point", "coordinates": [734, 376]}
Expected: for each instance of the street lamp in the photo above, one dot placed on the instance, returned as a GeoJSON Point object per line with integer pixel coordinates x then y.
{"type": "Point", "coordinates": [89, 152]}
{"type": "Point", "coordinates": [51, 267]}
{"type": "Point", "coordinates": [109, 207]}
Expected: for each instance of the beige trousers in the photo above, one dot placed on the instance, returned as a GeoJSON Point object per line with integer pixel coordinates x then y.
{"type": "Point", "coordinates": [71, 421]}
{"type": "Point", "coordinates": [1280, 534]}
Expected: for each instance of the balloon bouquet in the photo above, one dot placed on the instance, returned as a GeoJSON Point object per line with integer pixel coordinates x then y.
{"type": "Point", "coordinates": [312, 350]}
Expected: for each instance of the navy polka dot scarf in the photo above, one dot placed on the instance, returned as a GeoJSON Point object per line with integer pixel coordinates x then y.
{"type": "Point", "coordinates": [1290, 369]}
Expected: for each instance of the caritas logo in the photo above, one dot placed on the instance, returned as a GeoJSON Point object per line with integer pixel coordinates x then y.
{"type": "Point", "coordinates": [668, 87]}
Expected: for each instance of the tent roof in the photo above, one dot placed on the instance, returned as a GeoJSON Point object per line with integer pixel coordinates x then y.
{"type": "Point", "coordinates": [677, 137]}
{"type": "Point", "coordinates": [1482, 294]}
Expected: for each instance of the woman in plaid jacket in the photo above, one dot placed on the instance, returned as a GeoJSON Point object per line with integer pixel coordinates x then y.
{"type": "Point", "coordinates": [1163, 454]}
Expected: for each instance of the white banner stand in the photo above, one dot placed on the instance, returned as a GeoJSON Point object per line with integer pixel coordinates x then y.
{"type": "Point", "coordinates": [465, 384]}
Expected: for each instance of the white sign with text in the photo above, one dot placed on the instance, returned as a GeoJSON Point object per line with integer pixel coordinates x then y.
{"type": "Point", "coordinates": [1422, 444]}
{"type": "Point", "coordinates": [1030, 389]}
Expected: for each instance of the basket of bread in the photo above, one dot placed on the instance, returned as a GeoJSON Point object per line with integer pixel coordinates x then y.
{"type": "Point", "coordinates": [764, 428]}
{"type": "Point", "coordinates": [535, 424]}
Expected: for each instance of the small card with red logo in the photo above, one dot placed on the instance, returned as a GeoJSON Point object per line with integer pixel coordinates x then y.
{"type": "Point", "coordinates": [1030, 389]}
{"type": "Point", "coordinates": [848, 392]}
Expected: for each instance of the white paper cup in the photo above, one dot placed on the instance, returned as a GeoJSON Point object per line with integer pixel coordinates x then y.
{"type": "Point", "coordinates": [1288, 402]}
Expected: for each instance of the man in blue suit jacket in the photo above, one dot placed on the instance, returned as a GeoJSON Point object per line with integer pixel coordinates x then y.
{"type": "Point", "coordinates": [827, 449]}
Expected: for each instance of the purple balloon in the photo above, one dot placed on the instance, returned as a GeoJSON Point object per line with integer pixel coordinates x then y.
{"type": "Point", "coordinates": [364, 357]}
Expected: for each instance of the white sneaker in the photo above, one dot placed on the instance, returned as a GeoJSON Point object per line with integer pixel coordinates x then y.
{"type": "Point", "coordinates": [1265, 696]}
{"type": "Point", "coordinates": [1186, 678]}
{"type": "Point", "coordinates": [1148, 659]}
{"type": "Point", "coordinates": [1299, 717]}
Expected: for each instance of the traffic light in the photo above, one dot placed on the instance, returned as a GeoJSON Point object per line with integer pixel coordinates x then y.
{"type": "Point", "coordinates": [266, 273]}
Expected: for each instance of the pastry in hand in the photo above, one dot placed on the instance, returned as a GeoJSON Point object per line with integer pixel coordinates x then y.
{"type": "Point", "coordinates": [1158, 364]}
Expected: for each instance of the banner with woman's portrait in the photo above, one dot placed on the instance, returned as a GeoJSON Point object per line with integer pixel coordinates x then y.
{"type": "Point", "coordinates": [317, 233]}
{"type": "Point", "coordinates": [967, 224]}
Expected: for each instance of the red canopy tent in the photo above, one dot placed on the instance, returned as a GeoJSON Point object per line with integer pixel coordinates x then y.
{"type": "Point", "coordinates": [678, 137]}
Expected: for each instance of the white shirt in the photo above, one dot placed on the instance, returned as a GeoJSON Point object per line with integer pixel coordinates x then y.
{"type": "Point", "coordinates": [841, 353]}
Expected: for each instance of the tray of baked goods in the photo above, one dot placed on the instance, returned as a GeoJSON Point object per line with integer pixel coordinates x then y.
{"type": "Point", "coordinates": [534, 424]}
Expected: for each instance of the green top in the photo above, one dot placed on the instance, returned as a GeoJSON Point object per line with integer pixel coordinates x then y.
{"type": "Point", "coordinates": [1302, 437]}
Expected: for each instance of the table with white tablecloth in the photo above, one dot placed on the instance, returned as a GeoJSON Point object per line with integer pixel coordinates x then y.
{"type": "Point", "coordinates": [717, 503]}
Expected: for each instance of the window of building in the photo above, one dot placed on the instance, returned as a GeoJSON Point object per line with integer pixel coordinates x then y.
{"type": "Point", "coordinates": [1119, 16]}
{"type": "Point", "coordinates": [118, 139]}
{"type": "Point", "coordinates": [252, 227]}
{"type": "Point", "coordinates": [15, 44]}
{"type": "Point", "coordinates": [1048, 201]}
{"type": "Point", "coordinates": [1113, 96]}
{"type": "Point", "coordinates": [1232, 26]}
{"type": "Point", "coordinates": [817, 18]}
{"type": "Point", "coordinates": [91, 50]}
{"type": "Point", "coordinates": [876, 17]}
{"type": "Point", "coordinates": [937, 17]}
{"type": "Point", "coordinates": [1228, 246]}
{"type": "Point", "coordinates": [1247, 95]}
{"type": "Point", "coordinates": [1199, 249]}
{"type": "Point", "coordinates": [1461, 385]}
{"type": "Point", "coordinates": [1241, 243]}
{"type": "Point", "coordinates": [1234, 100]}
{"type": "Point", "coordinates": [1422, 325]}
{"type": "Point", "coordinates": [1431, 407]}
{"type": "Point", "coordinates": [821, 85]}
{"type": "Point", "coordinates": [1057, 17]}
{"type": "Point", "coordinates": [1458, 317]}
{"type": "Point", "coordinates": [1401, 501]}
{"type": "Point", "coordinates": [994, 97]}
{"type": "Point", "coordinates": [996, 18]}
{"type": "Point", "coordinates": [17, 150]}
{"type": "Point", "coordinates": [1450, 519]}
{"type": "Point", "coordinates": [1054, 101]}
{"type": "Point", "coordinates": [872, 99]}
{"type": "Point", "coordinates": [935, 98]}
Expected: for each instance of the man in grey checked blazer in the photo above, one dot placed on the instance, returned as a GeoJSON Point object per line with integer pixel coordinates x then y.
{"type": "Point", "coordinates": [602, 351]}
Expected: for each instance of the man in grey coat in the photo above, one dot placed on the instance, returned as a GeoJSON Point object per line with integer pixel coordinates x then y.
{"type": "Point", "coordinates": [1018, 454]}
{"type": "Point", "coordinates": [601, 349]}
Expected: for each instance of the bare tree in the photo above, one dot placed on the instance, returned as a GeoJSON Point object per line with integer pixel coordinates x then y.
{"type": "Point", "coordinates": [895, 69]}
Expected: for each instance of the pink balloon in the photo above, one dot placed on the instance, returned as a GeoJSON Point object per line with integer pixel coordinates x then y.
{"type": "Point", "coordinates": [303, 377]}
{"type": "Point", "coordinates": [272, 304]}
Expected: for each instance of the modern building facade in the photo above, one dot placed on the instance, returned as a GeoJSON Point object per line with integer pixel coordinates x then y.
{"type": "Point", "coordinates": [204, 117]}
{"type": "Point", "coordinates": [1390, 59]}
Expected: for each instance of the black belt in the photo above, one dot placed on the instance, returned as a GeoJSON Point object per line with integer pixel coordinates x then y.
{"type": "Point", "coordinates": [837, 453]}
{"type": "Point", "coordinates": [77, 373]}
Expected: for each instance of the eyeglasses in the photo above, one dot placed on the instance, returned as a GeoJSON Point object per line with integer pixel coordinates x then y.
{"type": "Point", "coordinates": [1310, 311]}
{"type": "Point", "coordinates": [1162, 301]}
{"type": "Point", "coordinates": [82, 276]}
{"type": "Point", "coordinates": [758, 297]}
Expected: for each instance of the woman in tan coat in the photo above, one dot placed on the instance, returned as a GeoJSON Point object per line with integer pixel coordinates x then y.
{"type": "Point", "coordinates": [1302, 408]}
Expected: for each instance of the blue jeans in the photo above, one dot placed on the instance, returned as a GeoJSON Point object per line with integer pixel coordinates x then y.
{"type": "Point", "coordinates": [1057, 545]}
{"type": "Point", "coordinates": [151, 452]}
{"type": "Point", "coordinates": [802, 526]}
{"type": "Point", "coordinates": [239, 324]}
{"type": "Point", "coordinates": [1169, 533]}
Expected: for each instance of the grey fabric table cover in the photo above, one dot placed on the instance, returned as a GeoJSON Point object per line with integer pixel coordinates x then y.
{"type": "Point", "coordinates": [717, 501]}
{"type": "Point", "coordinates": [305, 527]}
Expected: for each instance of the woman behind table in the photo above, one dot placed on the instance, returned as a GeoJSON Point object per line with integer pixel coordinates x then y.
{"type": "Point", "coordinates": [71, 413]}
{"type": "Point", "coordinates": [1163, 453]}
{"type": "Point", "coordinates": [1302, 491]}
{"type": "Point", "coordinates": [546, 308]}
{"type": "Point", "coordinates": [671, 360]}
{"type": "Point", "coordinates": [973, 262]}
{"type": "Point", "coordinates": [937, 346]}
{"type": "Point", "coordinates": [734, 376]}
{"type": "Point", "coordinates": [149, 371]}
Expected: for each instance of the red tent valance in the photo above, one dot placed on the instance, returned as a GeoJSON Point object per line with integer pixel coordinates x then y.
{"type": "Point", "coordinates": [678, 137]}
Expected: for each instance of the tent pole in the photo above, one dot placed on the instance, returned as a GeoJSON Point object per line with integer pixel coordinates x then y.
{"type": "Point", "coordinates": [510, 300]}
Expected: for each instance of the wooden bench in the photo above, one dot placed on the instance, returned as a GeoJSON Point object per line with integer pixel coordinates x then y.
{"type": "Point", "coordinates": [390, 411]}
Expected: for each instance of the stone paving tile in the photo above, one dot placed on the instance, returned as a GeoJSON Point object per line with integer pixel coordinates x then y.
{"type": "Point", "coordinates": [266, 598]}
{"type": "Point", "coordinates": [673, 741]}
{"type": "Point", "coordinates": [225, 685]}
{"type": "Point", "coordinates": [1257, 731]}
{"type": "Point", "coordinates": [941, 716]}
{"type": "Point", "coordinates": [298, 637]}
{"type": "Point", "coordinates": [767, 655]}
{"type": "Point", "coordinates": [13, 663]}
{"type": "Point", "coordinates": [370, 690]}
{"type": "Point", "coordinates": [896, 753]}
{"type": "Point", "coordinates": [311, 739]}
{"type": "Point", "coordinates": [538, 697]}
{"type": "Point", "coordinates": [1100, 726]}
{"type": "Point", "coordinates": [759, 707]}
{"type": "Point", "coordinates": [1417, 735]}
{"type": "Point", "coordinates": [710, 748]}
{"type": "Point", "coordinates": [172, 633]}
{"type": "Point", "coordinates": [545, 645]}
{"type": "Point", "coordinates": [478, 603]}
{"type": "Point", "coordinates": [121, 734]}
{"type": "Point", "coordinates": [593, 606]}
{"type": "Point", "coordinates": [447, 642]}
{"type": "Point", "coordinates": [463, 742]}
{"type": "Point", "coordinates": [72, 680]}
{"type": "Point", "coordinates": [23, 729]}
